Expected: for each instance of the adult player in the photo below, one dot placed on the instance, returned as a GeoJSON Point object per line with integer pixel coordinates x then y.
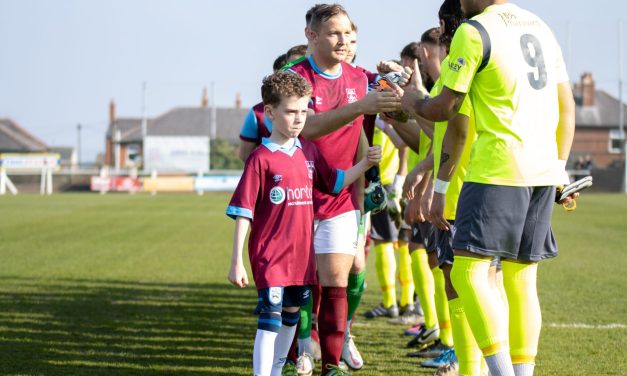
{"type": "Point", "coordinates": [509, 63]}
{"type": "Point", "coordinates": [339, 100]}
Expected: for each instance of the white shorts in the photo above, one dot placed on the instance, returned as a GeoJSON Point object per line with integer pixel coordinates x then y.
{"type": "Point", "coordinates": [337, 234]}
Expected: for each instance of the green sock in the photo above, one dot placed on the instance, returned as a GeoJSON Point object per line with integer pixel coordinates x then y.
{"type": "Point", "coordinates": [304, 330]}
{"type": "Point", "coordinates": [354, 291]}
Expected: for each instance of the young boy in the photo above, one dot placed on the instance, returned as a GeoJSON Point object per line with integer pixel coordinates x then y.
{"type": "Point", "coordinates": [275, 194]}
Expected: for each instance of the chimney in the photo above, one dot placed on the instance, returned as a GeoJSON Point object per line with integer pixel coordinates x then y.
{"type": "Point", "coordinates": [238, 101]}
{"type": "Point", "coordinates": [111, 112]}
{"type": "Point", "coordinates": [587, 89]}
{"type": "Point", "coordinates": [205, 98]}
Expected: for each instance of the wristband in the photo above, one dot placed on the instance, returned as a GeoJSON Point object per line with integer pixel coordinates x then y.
{"type": "Point", "coordinates": [441, 186]}
{"type": "Point", "coordinates": [562, 173]}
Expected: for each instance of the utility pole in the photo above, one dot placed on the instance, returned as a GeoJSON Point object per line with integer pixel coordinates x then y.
{"type": "Point", "coordinates": [144, 122]}
{"type": "Point", "coordinates": [78, 143]}
{"type": "Point", "coordinates": [621, 106]}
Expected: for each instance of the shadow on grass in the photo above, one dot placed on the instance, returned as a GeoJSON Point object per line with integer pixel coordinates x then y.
{"type": "Point", "coordinates": [87, 327]}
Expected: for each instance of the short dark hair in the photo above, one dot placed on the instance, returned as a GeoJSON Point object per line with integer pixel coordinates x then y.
{"type": "Point", "coordinates": [283, 84]}
{"type": "Point", "coordinates": [452, 16]}
{"type": "Point", "coordinates": [300, 50]}
{"type": "Point", "coordinates": [411, 51]}
{"type": "Point", "coordinates": [322, 14]}
{"type": "Point", "coordinates": [279, 62]}
{"type": "Point", "coordinates": [310, 13]}
{"type": "Point", "coordinates": [431, 36]}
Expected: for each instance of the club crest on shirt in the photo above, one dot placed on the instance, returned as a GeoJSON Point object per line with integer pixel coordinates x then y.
{"type": "Point", "coordinates": [351, 95]}
{"type": "Point", "coordinates": [318, 101]}
{"type": "Point", "coordinates": [277, 178]}
{"type": "Point", "coordinates": [274, 295]}
{"type": "Point", "coordinates": [310, 169]}
{"type": "Point", "coordinates": [277, 195]}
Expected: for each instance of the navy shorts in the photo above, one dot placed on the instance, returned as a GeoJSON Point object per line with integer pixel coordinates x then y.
{"type": "Point", "coordinates": [383, 227]}
{"type": "Point", "coordinates": [427, 231]}
{"type": "Point", "coordinates": [444, 245]}
{"type": "Point", "coordinates": [273, 299]}
{"type": "Point", "coordinates": [509, 222]}
{"type": "Point", "coordinates": [416, 237]}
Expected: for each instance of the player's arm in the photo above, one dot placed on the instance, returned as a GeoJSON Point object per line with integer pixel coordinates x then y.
{"type": "Point", "coordinates": [321, 124]}
{"type": "Point", "coordinates": [442, 107]}
{"type": "Point", "coordinates": [245, 148]}
{"type": "Point", "coordinates": [362, 151]}
{"type": "Point", "coordinates": [565, 129]}
{"type": "Point", "coordinates": [409, 132]}
{"type": "Point", "coordinates": [452, 149]}
{"type": "Point", "coordinates": [416, 177]}
{"type": "Point", "coordinates": [237, 271]}
{"type": "Point", "coordinates": [373, 157]}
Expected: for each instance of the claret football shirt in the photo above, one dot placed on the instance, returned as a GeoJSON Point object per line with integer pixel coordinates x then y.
{"type": "Point", "coordinates": [276, 193]}
{"type": "Point", "coordinates": [339, 147]}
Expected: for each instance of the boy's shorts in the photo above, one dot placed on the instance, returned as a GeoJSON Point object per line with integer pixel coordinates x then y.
{"type": "Point", "coordinates": [509, 222]}
{"type": "Point", "coordinates": [427, 232]}
{"type": "Point", "coordinates": [383, 227]}
{"type": "Point", "coordinates": [337, 234]}
{"type": "Point", "coordinates": [273, 299]}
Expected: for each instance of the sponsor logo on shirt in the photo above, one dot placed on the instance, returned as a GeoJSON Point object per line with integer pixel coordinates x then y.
{"type": "Point", "coordinates": [456, 65]}
{"type": "Point", "coordinates": [277, 178]}
{"type": "Point", "coordinates": [277, 195]}
{"type": "Point", "coordinates": [275, 295]}
{"type": "Point", "coordinates": [351, 95]}
{"type": "Point", "coordinates": [310, 169]}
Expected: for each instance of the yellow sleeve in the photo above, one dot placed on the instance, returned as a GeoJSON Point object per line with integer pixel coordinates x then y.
{"type": "Point", "coordinates": [464, 58]}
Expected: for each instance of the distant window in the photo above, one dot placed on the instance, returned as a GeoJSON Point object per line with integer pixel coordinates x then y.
{"type": "Point", "coordinates": [616, 141]}
{"type": "Point", "coordinates": [133, 153]}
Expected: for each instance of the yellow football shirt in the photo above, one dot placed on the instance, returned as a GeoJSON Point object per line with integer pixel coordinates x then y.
{"type": "Point", "coordinates": [514, 95]}
{"type": "Point", "coordinates": [388, 167]}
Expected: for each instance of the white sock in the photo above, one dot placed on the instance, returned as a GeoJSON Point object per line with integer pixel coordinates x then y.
{"type": "Point", "coordinates": [347, 333]}
{"type": "Point", "coordinates": [282, 345]}
{"type": "Point", "coordinates": [305, 346]}
{"type": "Point", "coordinates": [263, 352]}
{"type": "Point", "coordinates": [523, 369]}
{"type": "Point", "coordinates": [500, 364]}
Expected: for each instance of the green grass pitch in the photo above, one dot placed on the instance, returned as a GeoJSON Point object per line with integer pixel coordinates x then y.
{"type": "Point", "coordinates": [136, 285]}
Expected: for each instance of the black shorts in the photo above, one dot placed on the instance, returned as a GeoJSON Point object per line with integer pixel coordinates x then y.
{"type": "Point", "coordinates": [383, 227]}
{"type": "Point", "coordinates": [444, 245]}
{"type": "Point", "coordinates": [509, 222]}
{"type": "Point", "coordinates": [416, 237]}
{"type": "Point", "coordinates": [273, 299]}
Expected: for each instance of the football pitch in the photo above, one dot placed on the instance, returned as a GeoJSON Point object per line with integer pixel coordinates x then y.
{"type": "Point", "coordinates": [136, 285]}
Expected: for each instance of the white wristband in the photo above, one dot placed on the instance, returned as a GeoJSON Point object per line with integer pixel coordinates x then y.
{"type": "Point", "coordinates": [562, 173]}
{"type": "Point", "coordinates": [440, 186]}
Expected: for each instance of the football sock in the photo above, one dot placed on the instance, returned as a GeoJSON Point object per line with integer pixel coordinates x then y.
{"type": "Point", "coordinates": [405, 275]}
{"type": "Point", "coordinates": [523, 369]}
{"type": "Point", "coordinates": [525, 318]}
{"type": "Point", "coordinates": [385, 264]}
{"type": "Point", "coordinates": [424, 285]}
{"type": "Point", "coordinates": [354, 290]}
{"type": "Point", "coordinates": [304, 329]}
{"type": "Point", "coordinates": [441, 307]}
{"type": "Point", "coordinates": [466, 349]}
{"type": "Point", "coordinates": [283, 340]}
{"type": "Point", "coordinates": [331, 324]}
{"type": "Point", "coordinates": [263, 352]}
{"type": "Point", "coordinates": [500, 364]}
{"type": "Point", "coordinates": [484, 311]}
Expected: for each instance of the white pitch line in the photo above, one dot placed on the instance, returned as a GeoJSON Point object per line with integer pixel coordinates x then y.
{"type": "Point", "coordinates": [585, 326]}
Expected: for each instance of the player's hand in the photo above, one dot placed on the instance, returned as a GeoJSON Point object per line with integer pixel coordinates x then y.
{"type": "Point", "coordinates": [237, 275]}
{"type": "Point", "coordinates": [406, 74]}
{"type": "Point", "coordinates": [388, 120]}
{"type": "Point", "coordinates": [411, 182]}
{"type": "Point", "coordinates": [413, 91]}
{"type": "Point", "coordinates": [387, 66]}
{"type": "Point", "coordinates": [569, 202]}
{"type": "Point", "coordinates": [380, 101]}
{"type": "Point", "coordinates": [437, 212]}
{"type": "Point", "coordinates": [412, 211]}
{"type": "Point", "coordinates": [373, 156]}
{"type": "Point", "coordinates": [425, 204]}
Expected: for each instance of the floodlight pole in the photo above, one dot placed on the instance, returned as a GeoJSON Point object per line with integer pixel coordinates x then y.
{"type": "Point", "coordinates": [144, 122]}
{"type": "Point", "coordinates": [78, 144]}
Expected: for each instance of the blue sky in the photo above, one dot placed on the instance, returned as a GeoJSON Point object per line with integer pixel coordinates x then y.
{"type": "Point", "coordinates": [62, 61]}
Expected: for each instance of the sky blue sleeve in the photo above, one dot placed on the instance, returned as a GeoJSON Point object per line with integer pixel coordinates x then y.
{"type": "Point", "coordinates": [249, 128]}
{"type": "Point", "coordinates": [339, 181]}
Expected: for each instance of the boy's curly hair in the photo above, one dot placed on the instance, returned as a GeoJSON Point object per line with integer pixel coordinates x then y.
{"type": "Point", "coordinates": [283, 84]}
